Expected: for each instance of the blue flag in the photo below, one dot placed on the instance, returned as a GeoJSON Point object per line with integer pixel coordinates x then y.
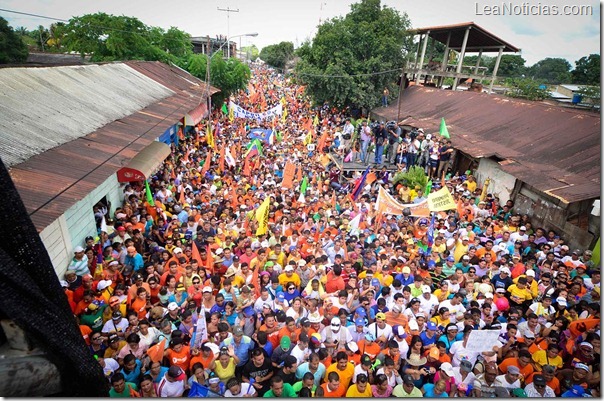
{"type": "Point", "coordinates": [359, 184]}
{"type": "Point", "coordinates": [431, 234]}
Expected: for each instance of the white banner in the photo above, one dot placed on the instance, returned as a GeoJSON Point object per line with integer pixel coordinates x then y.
{"type": "Point", "coordinates": [482, 340]}
{"type": "Point", "coordinates": [240, 112]}
{"type": "Point", "coordinates": [201, 330]}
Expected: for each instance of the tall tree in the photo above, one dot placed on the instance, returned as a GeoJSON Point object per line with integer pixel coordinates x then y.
{"type": "Point", "coordinates": [587, 70]}
{"type": "Point", "coordinates": [12, 47]}
{"type": "Point", "coordinates": [551, 70]}
{"type": "Point", "coordinates": [251, 52]}
{"type": "Point", "coordinates": [510, 66]}
{"type": "Point", "coordinates": [352, 59]}
{"type": "Point", "coordinates": [277, 55]}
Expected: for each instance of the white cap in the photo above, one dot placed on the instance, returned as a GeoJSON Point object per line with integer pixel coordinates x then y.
{"type": "Point", "coordinates": [530, 273]}
{"type": "Point", "coordinates": [172, 306]}
{"type": "Point", "coordinates": [207, 289]}
{"type": "Point", "coordinates": [504, 270]}
{"type": "Point", "coordinates": [426, 288]}
{"type": "Point", "coordinates": [301, 262]}
{"type": "Point", "coordinates": [447, 368]}
{"type": "Point", "coordinates": [562, 301]}
{"type": "Point", "coordinates": [523, 228]}
{"type": "Point", "coordinates": [289, 268]}
{"type": "Point", "coordinates": [78, 249]}
{"type": "Point", "coordinates": [413, 325]}
{"type": "Point", "coordinates": [218, 251]}
{"type": "Point", "coordinates": [465, 257]}
{"type": "Point", "coordinates": [177, 250]}
{"type": "Point", "coordinates": [103, 284]}
{"type": "Point", "coordinates": [489, 295]}
{"type": "Point", "coordinates": [352, 346]}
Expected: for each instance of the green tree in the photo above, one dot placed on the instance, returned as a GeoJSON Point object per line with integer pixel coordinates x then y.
{"type": "Point", "coordinates": [352, 59]}
{"type": "Point", "coordinates": [527, 89]}
{"type": "Point", "coordinates": [511, 66]}
{"type": "Point", "coordinates": [230, 75]}
{"type": "Point", "coordinates": [551, 70]}
{"type": "Point", "coordinates": [587, 70]}
{"type": "Point", "coordinates": [251, 52]}
{"type": "Point", "coordinates": [12, 47]}
{"type": "Point", "coordinates": [590, 95]}
{"type": "Point", "coordinates": [277, 55]}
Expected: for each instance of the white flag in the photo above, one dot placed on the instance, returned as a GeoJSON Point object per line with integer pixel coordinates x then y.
{"type": "Point", "coordinates": [228, 157]}
{"type": "Point", "coordinates": [353, 226]}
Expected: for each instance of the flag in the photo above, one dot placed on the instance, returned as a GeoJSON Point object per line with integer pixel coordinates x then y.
{"type": "Point", "coordinates": [148, 194]}
{"type": "Point", "coordinates": [182, 200]}
{"type": "Point", "coordinates": [224, 109]}
{"type": "Point", "coordinates": [207, 162]}
{"type": "Point", "coordinates": [255, 145]}
{"type": "Point", "coordinates": [228, 156]}
{"type": "Point", "coordinates": [262, 216]}
{"type": "Point", "coordinates": [431, 233]}
{"type": "Point", "coordinates": [284, 115]}
{"type": "Point", "coordinates": [133, 392]}
{"type": "Point", "coordinates": [444, 132]}
{"type": "Point", "coordinates": [441, 200]}
{"type": "Point", "coordinates": [104, 225]}
{"type": "Point", "coordinates": [359, 184]}
{"type": "Point", "coordinates": [304, 185]}
{"type": "Point", "coordinates": [322, 141]}
{"type": "Point", "coordinates": [386, 204]}
{"type": "Point", "coordinates": [283, 101]}
{"type": "Point", "coordinates": [209, 259]}
{"type": "Point", "coordinates": [316, 120]}
{"type": "Point", "coordinates": [301, 198]}
{"type": "Point", "coordinates": [209, 136]}
{"type": "Point", "coordinates": [428, 188]}
{"type": "Point", "coordinates": [221, 159]}
{"type": "Point", "coordinates": [231, 114]}
{"type": "Point", "coordinates": [234, 202]}
{"type": "Point", "coordinates": [299, 174]}
{"type": "Point", "coordinates": [156, 352]}
{"type": "Point", "coordinates": [279, 136]}
{"type": "Point", "coordinates": [353, 226]}
{"type": "Point", "coordinates": [288, 175]}
{"type": "Point", "coordinates": [195, 253]}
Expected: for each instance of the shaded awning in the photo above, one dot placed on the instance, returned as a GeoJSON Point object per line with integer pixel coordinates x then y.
{"type": "Point", "coordinates": [143, 164]}
{"type": "Point", "coordinates": [197, 114]}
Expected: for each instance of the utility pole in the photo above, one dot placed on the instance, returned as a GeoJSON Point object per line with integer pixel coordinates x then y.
{"type": "Point", "coordinates": [228, 11]}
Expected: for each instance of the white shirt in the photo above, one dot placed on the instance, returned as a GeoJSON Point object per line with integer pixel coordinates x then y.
{"type": "Point", "coordinates": [427, 305]}
{"type": "Point", "coordinates": [501, 381]}
{"type": "Point", "coordinates": [386, 331]}
{"type": "Point", "coordinates": [453, 309]}
{"type": "Point", "coordinates": [169, 389]}
{"type": "Point", "coordinates": [111, 366]}
{"type": "Point", "coordinates": [459, 352]}
{"type": "Point", "coordinates": [110, 326]}
{"type": "Point", "coordinates": [457, 375]}
{"type": "Point", "coordinates": [300, 354]}
{"type": "Point", "coordinates": [246, 388]}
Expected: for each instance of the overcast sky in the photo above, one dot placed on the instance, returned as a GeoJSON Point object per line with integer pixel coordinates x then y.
{"type": "Point", "coordinates": [540, 36]}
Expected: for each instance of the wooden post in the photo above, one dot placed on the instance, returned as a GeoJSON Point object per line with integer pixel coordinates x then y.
{"type": "Point", "coordinates": [461, 56]}
{"type": "Point", "coordinates": [421, 58]}
{"type": "Point", "coordinates": [495, 69]}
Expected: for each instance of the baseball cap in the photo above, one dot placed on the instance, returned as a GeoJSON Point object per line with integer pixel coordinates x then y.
{"type": "Point", "coordinates": [504, 270]}
{"type": "Point", "coordinates": [522, 228]}
{"type": "Point", "coordinates": [465, 257]}
{"type": "Point", "coordinates": [447, 368]}
{"type": "Point", "coordinates": [561, 301]}
{"type": "Point", "coordinates": [450, 259]}
{"type": "Point", "coordinates": [172, 306]}
{"type": "Point", "coordinates": [369, 337]}
{"type": "Point", "coordinates": [361, 311]}
{"type": "Point", "coordinates": [431, 326]}
{"type": "Point", "coordinates": [289, 268]}
{"type": "Point", "coordinates": [176, 373]}
{"type": "Point", "coordinates": [237, 331]}
{"type": "Point", "coordinates": [513, 370]}
{"type": "Point", "coordinates": [303, 322]}
{"type": "Point", "coordinates": [539, 380]}
{"type": "Point", "coordinates": [207, 289]}
{"type": "Point", "coordinates": [380, 316]}
{"type": "Point", "coordinates": [116, 315]}
{"type": "Point", "coordinates": [407, 379]}
{"type": "Point", "coordinates": [426, 288]}
{"type": "Point", "coordinates": [397, 308]}
{"type": "Point", "coordinates": [366, 360]}
{"type": "Point", "coordinates": [280, 296]}
{"type": "Point", "coordinates": [359, 322]}
{"type": "Point", "coordinates": [529, 334]}
{"type": "Point", "coordinates": [78, 249]}
{"type": "Point", "coordinates": [530, 273]}
{"type": "Point", "coordinates": [582, 366]}
{"type": "Point", "coordinates": [285, 342]}
{"type": "Point", "coordinates": [465, 365]}
{"type": "Point", "coordinates": [375, 282]}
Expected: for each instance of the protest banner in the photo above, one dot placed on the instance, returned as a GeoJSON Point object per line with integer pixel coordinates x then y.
{"type": "Point", "coordinates": [201, 331]}
{"type": "Point", "coordinates": [482, 340]}
{"type": "Point", "coordinates": [288, 175]}
{"type": "Point", "coordinates": [441, 200]}
{"type": "Point", "coordinates": [240, 112]}
{"type": "Point", "coordinates": [386, 204]}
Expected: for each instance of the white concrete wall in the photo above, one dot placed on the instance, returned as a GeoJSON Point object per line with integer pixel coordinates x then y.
{"type": "Point", "coordinates": [69, 230]}
{"type": "Point", "coordinates": [502, 184]}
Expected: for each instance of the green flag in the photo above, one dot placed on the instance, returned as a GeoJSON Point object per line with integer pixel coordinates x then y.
{"type": "Point", "coordinates": [303, 185]}
{"type": "Point", "coordinates": [148, 193]}
{"type": "Point", "coordinates": [428, 188]}
{"type": "Point", "coordinates": [224, 109]}
{"type": "Point", "coordinates": [444, 132]}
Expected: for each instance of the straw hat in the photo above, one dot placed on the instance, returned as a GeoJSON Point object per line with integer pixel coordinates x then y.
{"type": "Point", "coordinates": [416, 360]}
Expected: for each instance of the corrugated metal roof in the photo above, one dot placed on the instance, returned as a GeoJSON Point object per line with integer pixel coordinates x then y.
{"type": "Point", "coordinates": [52, 181]}
{"type": "Point", "coordinates": [43, 108]}
{"type": "Point", "coordinates": [477, 38]}
{"type": "Point", "coordinates": [552, 148]}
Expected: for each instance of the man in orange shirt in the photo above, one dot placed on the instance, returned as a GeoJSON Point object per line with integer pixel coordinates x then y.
{"type": "Point", "coordinates": [488, 248]}
{"type": "Point", "coordinates": [369, 346]}
{"type": "Point", "coordinates": [343, 368]}
{"type": "Point", "coordinates": [550, 379]}
{"type": "Point", "coordinates": [522, 362]}
{"type": "Point", "coordinates": [335, 282]}
{"type": "Point", "coordinates": [333, 387]}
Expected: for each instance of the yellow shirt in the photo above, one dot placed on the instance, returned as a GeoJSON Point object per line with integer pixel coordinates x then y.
{"type": "Point", "coordinates": [283, 279]}
{"type": "Point", "coordinates": [345, 375]}
{"type": "Point", "coordinates": [471, 185]}
{"type": "Point", "coordinates": [281, 258]}
{"type": "Point", "coordinates": [460, 250]}
{"type": "Point", "coordinates": [353, 392]}
{"type": "Point", "coordinates": [533, 287]}
{"type": "Point", "coordinates": [519, 295]}
{"type": "Point", "coordinates": [540, 358]}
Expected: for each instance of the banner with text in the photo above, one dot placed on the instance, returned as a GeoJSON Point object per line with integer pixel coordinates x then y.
{"type": "Point", "coordinates": [240, 112]}
{"type": "Point", "coordinates": [482, 340]}
{"type": "Point", "coordinates": [441, 200]}
{"type": "Point", "coordinates": [386, 204]}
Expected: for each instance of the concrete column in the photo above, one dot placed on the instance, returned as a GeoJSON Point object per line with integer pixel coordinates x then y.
{"type": "Point", "coordinates": [417, 52]}
{"type": "Point", "coordinates": [421, 58]}
{"type": "Point", "coordinates": [495, 69]}
{"type": "Point", "coordinates": [446, 55]}
{"type": "Point", "coordinates": [462, 53]}
{"type": "Point", "coordinates": [478, 62]}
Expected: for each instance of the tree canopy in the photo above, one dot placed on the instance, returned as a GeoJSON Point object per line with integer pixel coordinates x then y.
{"type": "Point", "coordinates": [277, 55]}
{"type": "Point", "coordinates": [551, 70]}
{"type": "Point", "coordinates": [12, 47]}
{"type": "Point", "coordinates": [352, 59]}
{"type": "Point", "coordinates": [587, 70]}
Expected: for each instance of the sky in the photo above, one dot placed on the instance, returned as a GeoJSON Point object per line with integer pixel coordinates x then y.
{"type": "Point", "coordinates": [539, 36]}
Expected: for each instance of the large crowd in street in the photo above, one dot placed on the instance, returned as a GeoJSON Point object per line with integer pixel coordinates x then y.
{"type": "Point", "coordinates": [232, 275]}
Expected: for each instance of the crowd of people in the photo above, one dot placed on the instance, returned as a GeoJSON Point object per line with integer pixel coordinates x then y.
{"type": "Point", "coordinates": [184, 292]}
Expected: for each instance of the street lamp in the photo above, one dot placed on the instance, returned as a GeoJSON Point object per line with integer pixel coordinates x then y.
{"type": "Point", "coordinates": [208, 76]}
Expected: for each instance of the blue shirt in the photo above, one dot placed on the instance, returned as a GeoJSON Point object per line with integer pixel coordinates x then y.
{"type": "Point", "coordinates": [429, 391]}
{"type": "Point", "coordinates": [136, 262]}
{"type": "Point", "coordinates": [268, 347]}
{"type": "Point", "coordinates": [133, 376]}
{"type": "Point", "coordinates": [319, 374]}
{"type": "Point", "coordinates": [427, 341]}
{"type": "Point", "coordinates": [242, 350]}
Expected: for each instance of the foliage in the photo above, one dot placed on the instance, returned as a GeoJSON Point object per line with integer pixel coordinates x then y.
{"type": "Point", "coordinates": [12, 47]}
{"type": "Point", "coordinates": [412, 177]}
{"type": "Point", "coordinates": [251, 52]}
{"type": "Point", "coordinates": [230, 75]}
{"type": "Point", "coordinates": [551, 70]}
{"type": "Point", "coordinates": [590, 94]}
{"type": "Point", "coordinates": [587, 70]}
{"type": "Point", "coordinates": [339, 66]}
{"type": "Point", "coordinates": [277, 55]}
{"type": "Point", "coordinates": [527, 89]}
{"type": "Point", "coordinates": [511, 65]}
{"type": "Point", "coordinates": [109, 38]}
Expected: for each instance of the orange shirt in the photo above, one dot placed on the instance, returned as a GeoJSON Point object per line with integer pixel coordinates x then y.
{"type": "Point", "coordinates": [524, 371]}
{"type": "Point", "coordinates": [554, 383]}
{"type": "Point", "coordinates": [138, 306]}
{"type": "Point", "coordinates": [86, 332]}
{"type": "Point", "coordinates": [293, 336]}
{"type": "Point", "coordinates": [372, 349]}
{"type": "Point", "coordinates": [339, 393]}
{"type": "Point", "coordinates": [205, 362]}
{"type": "Point", "coordinates": [181, 359]}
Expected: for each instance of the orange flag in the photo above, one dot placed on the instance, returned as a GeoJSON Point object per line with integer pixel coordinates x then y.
{"type": "Point", "coordinates": [206, 164]}
{"type": "Point", "coordinates": [134, 393]}
{"type": "Point", "coordinates": [156, 352]}
{"type": "Point", "coordinates": [234, 202]}
{"type": "Point", "coordinates": [333, 199]}
{"type": "Point", "coordinates": [195, 253]}
{"type": "Point", "coordinates": [299, 174]}
{"type": "Point", "coordinates": [182, 199]}
{"type": "Point", "coordinates": [210, 260]}
{"type": "Point", "coordinates": [221, 159]}
{"type": "Point", "coordinates": [288, 174]}
{"type": "Point", "coordinates": [172, 174]}
{"type": "Point", "coordinates": [322, 141]}
{"type": "Point", "coordinates": [370, 178]}
{"type": "Point", "coordinates": [246, 167]}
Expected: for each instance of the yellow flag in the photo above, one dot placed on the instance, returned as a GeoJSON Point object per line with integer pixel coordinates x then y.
{"type": "Point", "coordinates": [441, 200]}
{"type": "Point", "coordinates": [231, 114]}
{"type": "Point", "coordinates": [316, 120]}
{"type": "Point", "coordinates": [209, 136]}
{"type": "Point", "coordinates": [262, 217]}
{"type": "Point", "coordinates": [283, 101]}
{"type": "Point", "coordinates": [308, 138]}
{"type": "Point", "coordinates": [284, 115]}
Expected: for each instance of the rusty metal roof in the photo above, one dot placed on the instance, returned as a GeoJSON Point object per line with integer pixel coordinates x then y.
{"type": "Point", "coordinates": [51, 182]}
{"type": "Point", "coordinates": [552, 148]}
{"type": "Point", "coordinates": [478, 38]}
